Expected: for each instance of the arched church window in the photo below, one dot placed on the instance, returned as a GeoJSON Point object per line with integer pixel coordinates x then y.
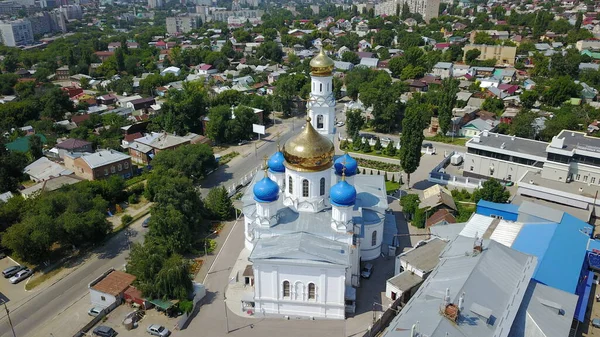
{"type": "Point", "coordinates": [374, 238]}
{"type": "Point", "coordinates": [319, 121]}
{"type": "Point", "coordinates": [322, 186]}
{"type": "Point", "coordinates": [305, 188]}
{"type": "Point", "coordinates": [327, 86]}
{"type": "Point", "coordinates": [321, 87]}
{"type": "Point", "coordinates": [286, 288]}
{"type": "Point", "coordinates": [312, 291]}
{"type": "Point", "coordinates": [290, 185]}
{"type": "Point", "coordinates": [299, 292]}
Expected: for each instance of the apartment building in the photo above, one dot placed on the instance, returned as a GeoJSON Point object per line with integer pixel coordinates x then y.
{"type": "Point", "coordinates": [504, 55]}
{"type": "Point", "coordinates": [16, 33]}
{"type": "Point", "coordinates": [72, 12]}
{"type": "Point", "coordinates": [182, 24]}
{"type": "Point", "coordinates": [155, 3]}
{"type": "Point", "coordinates": [427, 8]}
{"type": "Point", "coordinates": [143, 149]}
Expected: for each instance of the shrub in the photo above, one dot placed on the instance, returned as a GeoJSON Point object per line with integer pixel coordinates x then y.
{"type": "Point", "coordinates": [126, 219]}
{"type": "Point", "coordinates": [133, 199]}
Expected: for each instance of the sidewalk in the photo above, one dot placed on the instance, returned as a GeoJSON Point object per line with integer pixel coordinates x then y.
{"type": "Point", "coordinates": [133, 210]}
{"type": "Point", "coordinates": [67, 321]}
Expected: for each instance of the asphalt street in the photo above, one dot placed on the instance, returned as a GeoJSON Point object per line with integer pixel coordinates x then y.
{"type": "Point", "coordinates": [27, 315]}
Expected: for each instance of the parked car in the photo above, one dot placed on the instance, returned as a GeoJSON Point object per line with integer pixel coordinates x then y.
{"type": "Point", "coordinates": [21, 275]}
{"type": "Point", "coordinates": [340, 124]}
{"type": "Point", "coordinates": [243, 142]}
{"type": "Point", "coordinates": [596, 322]}
{"type": "Point", "coordinates": [506, 183]}
{"type": "Point", "coordinates": [158, 330]}
{"type": "Point", "coordinates": [427, 146]}
{"type": "Point", "coordinates": [104, 331]}
{"type": "Point", "coordinates": [366, 271]}
{"type": "Point", "coordinates": [146, 222]}
{"type": "Point", "coordinates": [10, 271]}
{"type": "Point", "coordinates": [386, 139]}
{"type": "Point", "coordinates": [95, 311]}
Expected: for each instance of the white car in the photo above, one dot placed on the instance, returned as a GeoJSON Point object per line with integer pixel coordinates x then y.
{"type": "Point", "coordinates": [158, 330]}
{"type": "Point", "coordinates": [20, 276]}
{"type": "Point", "coordinates": [340, 124]}
{"type": "Point", "coordinates": [95, 311]}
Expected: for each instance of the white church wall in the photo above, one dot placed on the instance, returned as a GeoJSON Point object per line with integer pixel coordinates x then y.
{"type": "Point", "coordinates": [314, 189]}
{"type": "Point", "coordinates": [329, 289]}
{"type": "Point", "coordinates": [367, 249]}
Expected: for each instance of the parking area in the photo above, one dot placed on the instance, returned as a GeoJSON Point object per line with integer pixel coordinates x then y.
{"type": "Point", "coordinates": [115, 321]}
{"type": "Point", "coordinates": [11, 293]}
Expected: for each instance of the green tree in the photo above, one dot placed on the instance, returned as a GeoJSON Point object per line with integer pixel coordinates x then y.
{"type": "Point", "coordinates": [182, 111]}
{"type": "Point", "coordinates": [484, 38]}
{"type": "Point", "coordinates": [270, 50]}
{"type": "Point", "coordinates": [521, 125]}
{"type": "Point", "coordinates": [411, 139]}
{"type": "Point", "coordinates": [528, 98]}
{"type": "Point", "coordinates": [377, 146]}
{"type": "Point", "coordinates": [397, 65]}
{"type": "Point", "coordinates": [354, 121]}
{"type": "Point", "coordinates": [36, 148]}
{"type": "Point", "coordinates": [560, 90]}
{"type": "Point", "coordinates": [350, 56]}
{"type": "Point", "coordinates": [447, 102]}
{"type": "Point", "coordinates": [193, 161]}
{"type": "Point", "coordinates": [471, 56]}
{"type": "Point", "coordinates": [493, 191]}
{"type": "Point", "coordinates": [419, 218]}
{"type": "Point", "coordinates": [493, 104]}
{"type": "Point", "coordinates": [390, 149]}
{"type": "Point", "coordinates": [11, 168]}
{"type": "Point", "coordinates": [218, 204]}
{"type": "Point", "coordinates": [410, 204]}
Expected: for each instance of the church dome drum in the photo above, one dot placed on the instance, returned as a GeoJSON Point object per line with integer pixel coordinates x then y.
{"type": "Point", "coordinates": [342, 194]}
{"type": "Point", "coordinates": [266, 190]}
{"type": "Point", "coordinates": [347, 162]}
{"type": "Point", "coordinates": [308, 151]}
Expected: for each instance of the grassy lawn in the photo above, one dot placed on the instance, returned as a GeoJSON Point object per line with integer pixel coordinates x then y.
{"type": "Point", "coordinates": [372, 153]}
{"type": "Point", "coordinates": [391, 186]}
{"type": "Point", "coordinates": [228, 157]}
{"type": "Point", "coordinates": [39, 279]}
{"type": "Point", "coordinates": [460, 141]}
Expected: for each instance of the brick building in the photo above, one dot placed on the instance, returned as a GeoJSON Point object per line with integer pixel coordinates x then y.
{"type": "Point", "coordinates": [99, 165]}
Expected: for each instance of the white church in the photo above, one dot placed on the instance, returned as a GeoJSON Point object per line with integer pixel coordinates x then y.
{"type": "Point", "coordinates": [310, 221]}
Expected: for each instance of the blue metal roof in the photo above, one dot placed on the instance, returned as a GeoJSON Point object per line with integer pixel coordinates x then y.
{"type": "Point", "coordinates": [560, 248]}
{"type": "Point", "coordinates": [501, 207]}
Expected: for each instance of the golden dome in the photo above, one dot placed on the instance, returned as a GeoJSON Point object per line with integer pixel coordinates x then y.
{"type": "Point", "coordinates": [321, 65]}
{"type": "Point", "coordinates": [308, 151]}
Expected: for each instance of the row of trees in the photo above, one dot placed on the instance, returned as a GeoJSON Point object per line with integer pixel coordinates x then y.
{"type": "Point", "coordinates": [178, 219]}
{"type": "Point", "coordinates": [72, 217]}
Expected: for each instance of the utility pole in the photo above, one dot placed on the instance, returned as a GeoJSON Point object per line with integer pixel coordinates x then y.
{"type": "Point", "coordinates": [9, 321]}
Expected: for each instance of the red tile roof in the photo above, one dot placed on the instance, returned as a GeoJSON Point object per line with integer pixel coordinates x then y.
{"type": "Point", "coordinates": [439, 216]}
{"type": "Point", "coordinates": [72, 143]}
{"type": "Point", "coordinates": [133, 136]}
{"type": "Point", "coordinates": [114, 283]}
{"type": "Point", "coordinates": [77, 119]}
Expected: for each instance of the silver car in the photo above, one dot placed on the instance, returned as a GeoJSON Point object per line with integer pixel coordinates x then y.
{"type": "Point", "coordinates": [158, 330]}
{"type": "Point", "coordinates": [20, 276]}
{"type": "Point", "coordinates": [95, 311]}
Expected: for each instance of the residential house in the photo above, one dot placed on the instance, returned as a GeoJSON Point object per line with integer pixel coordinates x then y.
{"type": "Point", "coordinates": [460, 70]}
{"type": "Point", "coordinates": [171, 70]}
{"type": "Point", "coordinates": [443, 70]}
{"type": "Point", "coordinates": [440, 218]}
{"type": "Point", "coordinates": [417, 86]}
{"type": "Point", "coordinates": [107, 290]}
{"type": "Point", "coordinates": [143, 149]}
{"type": "Point", "coordinates": [206, 69]}
{"type": "Point", "coordinates": [99, 165]}
{"type": "Point", "coordinates": [506, 75]}
{"type": "Point", "coordinates": [494, 34]}
{"type": "Point", "coordinates": [73, 145]}
{"type": "Point", "coordinates": [588, 66]}
{"type": "Point", "coordinates": [437, 197]}
{"type": "Point", "coordinates": [49, 185]}
{"type": "Point", "coordinates": [104, 55]}
{"type": "Point", "coordinates": [363, 45]}
{"type": "Point", "coordinates": [107, 99]}
{"type": "Point", "coordinates": [44, 169]}
{"type": "Point", "coordinates": [528, 84]}
{"type": "Point", "coordinates": [369, 62]}
{"type": "Point", "coordinates": [508, 115]}
{"type": "Point", "coordinates": [62, 73]}
{"type": "Point", "coordinates": [412, 268]}
{"type": "Point", "coordinates": [476, 126]}
{"type": "Point", "coordinates": [141, 104]}
{"type": "Point", "coordinates": [343, 66]}
{"type": "Point", "coordinates": [21, 144]}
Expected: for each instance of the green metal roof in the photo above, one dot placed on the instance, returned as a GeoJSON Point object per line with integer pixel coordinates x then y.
{"type": "Point", "coordinates": [165, 305]}
{"type": "Point", "coordinates": [22, 144]}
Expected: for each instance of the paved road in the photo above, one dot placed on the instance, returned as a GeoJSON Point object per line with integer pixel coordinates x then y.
{"type": "Point", "coordinates": [28, 315]}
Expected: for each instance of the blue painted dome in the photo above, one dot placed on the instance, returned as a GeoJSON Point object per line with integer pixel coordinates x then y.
{"type": "Point", "coordinates": [348, 162]}
{"type": "Point", "coordinates": [276, 162]}
{"type": "Point", "coordinates": [266, 190]}
{"type": "Point", "coordinates": [342, 194]}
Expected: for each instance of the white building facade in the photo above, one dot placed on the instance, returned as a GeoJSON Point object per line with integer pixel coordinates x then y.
{"type": "Point", "coordinates": [16, 33]}
{"type": "Point", "coordinates": [310, 221]}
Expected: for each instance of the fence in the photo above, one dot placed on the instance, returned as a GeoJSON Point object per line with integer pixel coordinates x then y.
{"type": "Point", "coordinates": [245, 180]}
{"type": "Point", "coordinates": [386, 318]}
{"type": "Point", "coordinates": [371, 171]}
{"type": "Point", "coordinates": [438, 175]}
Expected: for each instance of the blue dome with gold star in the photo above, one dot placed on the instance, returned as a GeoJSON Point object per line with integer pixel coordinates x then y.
{"type": "Point", "coordinates": [276, 162]}
{"type": "Point", "coordinates": [348, 162]}
{"type": "Point", "coordinates": [266, 190]}
{"type": "Point", "coordinates": [342, 194]}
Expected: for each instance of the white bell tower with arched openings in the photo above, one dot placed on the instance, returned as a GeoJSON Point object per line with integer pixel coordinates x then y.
{"type": "Point", "coordinates": [321, 104]}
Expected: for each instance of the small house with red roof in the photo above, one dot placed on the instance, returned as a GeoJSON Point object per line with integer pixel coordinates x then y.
{"type": "Point", "coordinates": [72, 91]}
{"type": "Point", "coordinates": [206, 69]}
{"type": "Point", "coordinates": [161, 44]}
{"type": "Point", "coordinates": [104, 55]}
{"type": "Point", "coordinates": [107, 291]}
{"type": "Point", "coordinates": [79, 119]}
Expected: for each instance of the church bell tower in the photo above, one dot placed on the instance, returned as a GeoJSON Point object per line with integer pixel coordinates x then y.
{"type": "Point", "coordinates": [321, 105]}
